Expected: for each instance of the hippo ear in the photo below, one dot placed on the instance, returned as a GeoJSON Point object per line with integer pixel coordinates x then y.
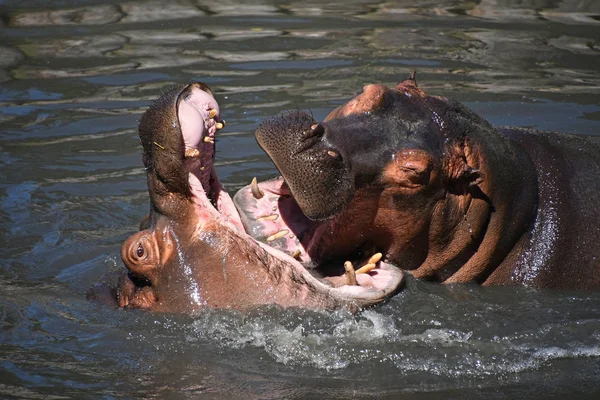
{"type": "Point", "coordinates": [473, 176]}
{"type": "Point", "coordinates": [465, 177]}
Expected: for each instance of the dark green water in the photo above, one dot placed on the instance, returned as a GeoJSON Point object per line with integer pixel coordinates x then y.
{"type": "Point", "coordinates": [75, 77]}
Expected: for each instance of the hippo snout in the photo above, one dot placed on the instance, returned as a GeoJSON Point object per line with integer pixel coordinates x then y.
{"type": "Point", "coordinates": [313, 166]}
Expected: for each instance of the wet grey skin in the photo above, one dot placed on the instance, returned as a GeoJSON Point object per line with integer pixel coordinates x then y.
{"type": "Point", "coordinates": [438, 191]}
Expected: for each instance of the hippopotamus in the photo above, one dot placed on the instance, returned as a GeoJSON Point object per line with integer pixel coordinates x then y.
{"type": "Point", "coordinates": [193, 252]}
{"type": "Point", "coordinates": [434, 188]}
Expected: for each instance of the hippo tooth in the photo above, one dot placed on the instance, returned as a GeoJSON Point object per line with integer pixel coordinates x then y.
{"type": "Point", "coordinates": [256, 192]}
{"type": "Point", "coordinates": [212, 113]}
{"type": "Point", "coordinates": [296, 254]}
{"type": "Point", "coordinates": [350, 274]}
{"type": "Point", "coordinates": [375, 258]}
{"type": "Point", "coordinates": [271, 217]}
{"type": "Point", "coordinates": [366, 268]}
{"type": "Point", "coordinates": [278, 235]}
{"type": "Point", "coordinates": [332, 153]}
{"type": "Point", "coordinates": [191, 153]}
{"type": "Point", "coordinates": [219, 125]}
{"type": "Point", "coordinates": [208, 139]}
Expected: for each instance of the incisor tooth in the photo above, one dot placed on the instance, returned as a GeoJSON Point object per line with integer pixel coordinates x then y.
{"type": "Point", "coordinates": [256, 192]}
{"type": "Point", "coordinates": [191, 153]}
{"type": "Point", "coordinates": [366, 268]}
{"type": "Point", "coordinates": [296, 254]}
{"type": "Point", "coordinates": [375, 258]}
{"type": "Point", "coordinates": [278, 235]}
{"type": "Point", "coordinates": [212, 113]}
{"type": "Point", "coordinates": [350, 274]}
{"type": "Point", "coordinates": [271, 217]}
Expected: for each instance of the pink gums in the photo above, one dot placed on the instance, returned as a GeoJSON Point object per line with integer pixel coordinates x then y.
{"type": "Point", "coordinates": [196, 124]}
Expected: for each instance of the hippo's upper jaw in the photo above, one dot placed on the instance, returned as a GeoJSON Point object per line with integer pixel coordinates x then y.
{"type": "Point", "coordinates": [195, 252]}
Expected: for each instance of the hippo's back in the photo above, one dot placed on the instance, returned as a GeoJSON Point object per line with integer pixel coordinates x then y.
{"type": "Point", "coordinates": [562, 246]}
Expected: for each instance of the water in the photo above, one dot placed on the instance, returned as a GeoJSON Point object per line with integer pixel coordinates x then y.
{"type": "Point", "coordinates": [76, 76]}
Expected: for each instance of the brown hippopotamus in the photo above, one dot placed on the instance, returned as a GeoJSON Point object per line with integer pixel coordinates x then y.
{"type": "Point", "coordinates": [435, 188]}
{"type": "Point", "coordinates": [194, 252]}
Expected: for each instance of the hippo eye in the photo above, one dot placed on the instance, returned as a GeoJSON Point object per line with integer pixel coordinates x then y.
{"type": "Point", "coordinates": [140, 251]}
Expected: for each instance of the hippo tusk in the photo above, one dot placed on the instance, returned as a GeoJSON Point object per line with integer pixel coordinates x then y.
{"type": "Point", "coordinates": [278, 235]}
{"type": "Point", "coordinates": [208, 139]}
{"type": "Point", "coordinates": [191, 153]}
{"type": "Point", "coordinates": [332, 153]}
{"type": "Point", "coordinates": [366, 268]}
{"type": "Point", "coordinates": [296, 254]}
{"type": "Point", "coordinates": [212, 113]}
{"type": "Point", "coordinates": [256, 192]}
{"type": "Point", "coordinates": [370, 265]}
{"type": "Point", "coordinates": [219, 125]}
{"type": "Point", "coordinates": [375, 258]}
{"type": "Point", "coordinates": [271, 217]}
{"type": "Point", "coordinates": [350, 274]}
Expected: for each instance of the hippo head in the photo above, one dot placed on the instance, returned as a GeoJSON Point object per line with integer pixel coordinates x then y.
{"type": "Point", "coordinates": [391, 171]}
{"type": "Point", "coordinates": [194, 252]}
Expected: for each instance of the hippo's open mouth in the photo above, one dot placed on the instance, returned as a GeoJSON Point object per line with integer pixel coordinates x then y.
{"type": "Point", "coordinates": [195, 225]}
{"type": "Point", "coordinates": [255, 210]}
{"type": "Point", "coordinates": [270, 214]}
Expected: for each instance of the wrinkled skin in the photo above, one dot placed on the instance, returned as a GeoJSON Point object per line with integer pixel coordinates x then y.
{"type": "Point", "coordinates": [436, 189]}
{"type": "Point", "coordinates": [193, 252]}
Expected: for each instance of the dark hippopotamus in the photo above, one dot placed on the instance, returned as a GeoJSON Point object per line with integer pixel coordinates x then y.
{"type": "Point", "coordinates": [193, 252]}
{"type": "Point", "coordinates": [435, 188]}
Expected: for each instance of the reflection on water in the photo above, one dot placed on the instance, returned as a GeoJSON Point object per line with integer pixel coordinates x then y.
{"type": "Point", "coordinates": [75, 77]}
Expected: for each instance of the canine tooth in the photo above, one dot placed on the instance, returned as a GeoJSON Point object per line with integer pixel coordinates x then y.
{"type": "Point", "coordinates": [375, 258]}
{"type": "Point", "coordinates": [219, 125]}
{"type": "Point", "coordinates": [191, 153]}
{"type": "Point", "coordinates": [350, 274]}
{"type": "Point", "coordinates": [278, 235]}
{"type": "Point", "coordinates": [296, 254]}
{"type": "Point", "coordinates": [208, 139]}
{"type": "Point", "coordinates": [256, 192]}
{"type": "Point", "coordinates": [332, 153]}
{"type": "Point", "coordinates": [212, 113]}
{"type": "Point", "coordinates": [366, 268]}
{"type": "Point", "coordinates": [271, 217]}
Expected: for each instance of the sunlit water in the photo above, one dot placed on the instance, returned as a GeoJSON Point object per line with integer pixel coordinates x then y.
{"type": "Point", "coordinates": [76, 76]}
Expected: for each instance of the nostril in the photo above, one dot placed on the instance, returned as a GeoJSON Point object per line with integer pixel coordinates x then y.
{"type": "Point", "coordinates": [138, 280]}
{"type": "Point", "coordinates": [315, 130]}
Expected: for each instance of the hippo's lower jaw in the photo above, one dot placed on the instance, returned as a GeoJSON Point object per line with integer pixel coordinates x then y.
{"type": "Point", "coordinates": [248, 272]}
{"type": "Point", "coordinates": [270, 214]}
{"type": "Point", "coordinates": [196, 252]}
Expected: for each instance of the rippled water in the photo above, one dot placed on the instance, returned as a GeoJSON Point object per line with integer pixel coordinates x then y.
{"type": "Point", "coordinates": [76, 75]}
